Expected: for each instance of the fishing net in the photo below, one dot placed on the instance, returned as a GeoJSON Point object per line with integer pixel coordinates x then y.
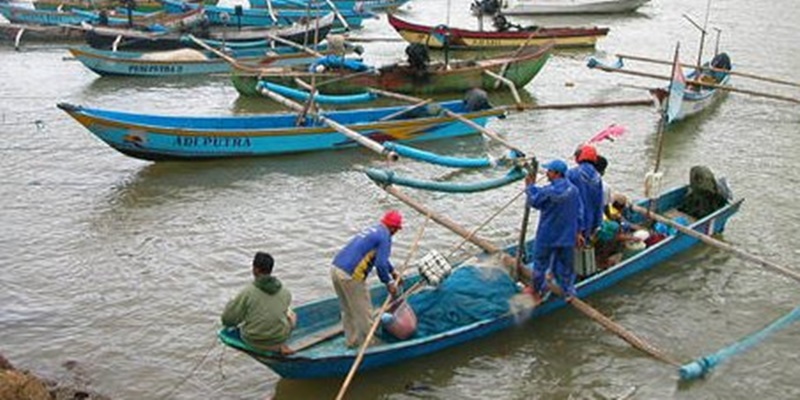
{"type": "Point", "coordinates": [470, 294]}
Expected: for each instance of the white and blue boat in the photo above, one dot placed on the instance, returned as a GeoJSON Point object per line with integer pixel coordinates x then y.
{"type": "Point", "coordinates": [183, 62]}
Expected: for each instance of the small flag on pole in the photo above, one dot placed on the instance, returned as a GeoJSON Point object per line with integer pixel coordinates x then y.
{"type": "Point", "coordinates": [677, 87]}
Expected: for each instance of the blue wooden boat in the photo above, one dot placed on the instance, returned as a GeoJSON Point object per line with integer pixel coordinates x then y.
{"type": "Point", "coordinates": [261, 17]}
{"type": "Point", "coordinates": [371, 5]}
{"type": "Point", "coordinates": [324, 354]}
{"type": "Point", "coordinates": [182, 62]}
{"type": "Point", "coordinates": [152, 137]}
{"type": "Point", "coordinates": [247, 37]}
{"type": "Point", "coordinates": [21, 15]}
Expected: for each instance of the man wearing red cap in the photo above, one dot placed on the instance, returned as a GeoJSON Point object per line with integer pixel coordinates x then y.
{"type": "Point", "coordinates": [590, 186]}
{"type": "Point", "coordinates": [369, 248]}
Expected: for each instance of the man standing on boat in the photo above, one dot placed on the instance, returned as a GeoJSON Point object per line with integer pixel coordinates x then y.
{"type": "Point", "coordinates": [559, 205]}
{"type": "Point", "coordinates": [369, 248]}
{"type": "Point", "coordinates": [261, 310]}
{"type": "Point", "coordinates": [590, 186]}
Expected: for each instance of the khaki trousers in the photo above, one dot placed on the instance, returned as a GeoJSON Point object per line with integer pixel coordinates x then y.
{"type": "Point", "coordinates": [355, 305]}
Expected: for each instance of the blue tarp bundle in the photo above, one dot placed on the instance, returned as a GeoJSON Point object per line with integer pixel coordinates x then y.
{"type": "Point", "coordinates": [470, 294]}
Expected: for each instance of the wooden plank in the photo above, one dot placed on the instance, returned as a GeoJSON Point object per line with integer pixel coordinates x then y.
{"type": "Point", "coordinates": [317, 338]}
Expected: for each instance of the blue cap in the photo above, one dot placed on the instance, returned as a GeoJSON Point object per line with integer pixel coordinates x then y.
{"type": "Point", "coordinates": [557, 166]}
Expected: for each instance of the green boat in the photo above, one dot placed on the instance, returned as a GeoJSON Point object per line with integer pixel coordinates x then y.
{"type": "Point", "coordinates": [519, 67]}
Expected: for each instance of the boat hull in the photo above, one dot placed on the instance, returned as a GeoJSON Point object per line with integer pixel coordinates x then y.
{"type": "Point", "coordinates": [117, 63]}
{"type": "Point", "coordinates": [538, 7]}
{"type": "Point", "coordinates": [519, 69]}
{"type": "Point", "coordinates": [159, 138]}
{"type": "Point", "coordinates": [331, 358]}
{"type": "Point", "coordinates": [462, 39]}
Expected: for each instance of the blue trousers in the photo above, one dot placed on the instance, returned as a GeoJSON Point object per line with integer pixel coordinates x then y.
{"type": "Point", "coordinates": [559, 262]}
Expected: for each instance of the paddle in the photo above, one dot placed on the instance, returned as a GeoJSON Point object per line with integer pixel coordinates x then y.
{"type": "Point", "coordinates": [732, 72]}
{"type": "Point", "coordinates": [532, 170]}
{"type": "Point", "coordinates": [384, 307]}
{"type": "Point", "coordinates": [695, 82]}
{"type": "Point", "coordinates": [717, 243]}
{"type": "Point", "coordinates": [581, 306]}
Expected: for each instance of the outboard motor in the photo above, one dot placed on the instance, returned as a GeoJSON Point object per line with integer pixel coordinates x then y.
{"type": "Point", "coordinates": [476, 99]}
{"type": "Point", "coordinates": [485, 7]}
{"type": "Point", "coordinates": [418, 56]}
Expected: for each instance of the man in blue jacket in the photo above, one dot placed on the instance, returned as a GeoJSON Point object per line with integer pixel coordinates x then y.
{"type": "Point", "coordinates": [590, 186]}
{"type": "Point", "coordinates": [559, 205]}
{"type": "Point", "coordinates": [369, 248]}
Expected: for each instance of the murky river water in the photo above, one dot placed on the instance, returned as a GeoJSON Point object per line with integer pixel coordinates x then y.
{"type": "Point", "coordinates": [124, 265]}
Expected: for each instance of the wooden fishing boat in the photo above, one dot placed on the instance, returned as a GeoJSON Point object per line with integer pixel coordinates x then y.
{"type": "Point", "coordinates": [157, 138]}
{"type": "Point", "coordinates": [322, 351]}
{"type": "Point", "coordinates": [156, 21]}
{"type": "Point", "coordinates": [463, 39]}
{"type": "Point", "coordinates": [23, 15]}
{"type": "Point", "coordinates": [260, 17]}
{"type": "Point", "coordinates": [18, 32]}
{"type": "Point", "coordinates": [371, 5]}
{"type": "Point", "coordinates": [697, 98]}
{"type": "Point", "coordinates": [253, 37]}
{"type": "Point", "coordinates": [65, 5]}
{"type": "Point", "coordinates": [560, 7]}
{"type": "Point", "coordinates": [181, 62]}
{"type": "Point", "coordinates": [519, 67]}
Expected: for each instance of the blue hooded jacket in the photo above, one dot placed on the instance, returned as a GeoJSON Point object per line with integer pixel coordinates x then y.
{"type": "Point", "coordinates": [559, 205]}
{"type": "Point", "coordinates": [590, 186]}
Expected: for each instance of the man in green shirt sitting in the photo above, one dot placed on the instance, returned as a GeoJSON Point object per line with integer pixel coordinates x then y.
{"type": "Point", "coordinates": [261, 310]}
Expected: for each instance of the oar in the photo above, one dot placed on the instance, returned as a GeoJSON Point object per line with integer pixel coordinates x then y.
{"type": "Point", "coordinates": [581, 306]}
{"type": "Point", "coordinates": [374, 327]}
{"type": "Point", "coordinates": [698, 83]}
{"type": "Point", "coordinates": [719, 244]}
{"type": "Point", "coordinates": [533, 169]}
{"type": "Point", "coordinates": [732, 72]}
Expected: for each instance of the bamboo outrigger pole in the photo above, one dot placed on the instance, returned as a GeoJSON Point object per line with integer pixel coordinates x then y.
{"type": "Point", "coordinates": [698, 83]}
{"type": "Point", "coordinates": [732, 72]}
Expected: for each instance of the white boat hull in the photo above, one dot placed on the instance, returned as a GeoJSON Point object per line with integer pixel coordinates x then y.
{"type": "Point", "coordinates": [544, 7]}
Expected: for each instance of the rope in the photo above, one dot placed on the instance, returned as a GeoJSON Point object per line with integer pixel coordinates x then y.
{"type": "Point", "coordinates": [481, 226]}
{"type": "Point", "coordinates": [194, 369]}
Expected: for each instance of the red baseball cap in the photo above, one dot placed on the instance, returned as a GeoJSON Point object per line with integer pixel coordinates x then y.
{"type": "Point", "coordinates": [393, 219]}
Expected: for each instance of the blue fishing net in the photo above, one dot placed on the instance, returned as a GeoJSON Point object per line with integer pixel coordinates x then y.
{"type": "Point", "coordinates": [468, 295]}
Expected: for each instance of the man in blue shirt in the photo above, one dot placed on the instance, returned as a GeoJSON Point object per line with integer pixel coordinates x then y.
{"type": "Point", "coordinates": [590, 186]}
{"type": "Point", "coordinates": [559, 205]}
{"type": "Point", "coordinates": [369, 248]}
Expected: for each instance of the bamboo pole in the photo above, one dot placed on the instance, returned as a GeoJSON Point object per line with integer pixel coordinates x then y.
{"type": "Point", "coordinates": [699, 83]}
{"type": "Point", "coordinates": [230, 60]}
{"type": "Point", "coordinates": [360, 356]}
{"type": "Point", "coordinates": [293, 44]}
{"type": "Point", "coordinates": [732, 72]}
{"type": "Point", "coordinates": [355, 136]}
{"type": "Point", "coordinates": [451, 114]}
{"type": "Point", "coordinates": [617, 329]}
{"type": "Point", "coordinates": [567, 106]}
{"type": "Point", "coordinates": [720, 244]}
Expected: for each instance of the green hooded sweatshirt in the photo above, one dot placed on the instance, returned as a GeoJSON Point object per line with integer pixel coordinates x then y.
{"type": "Point", "coordinates": [259, 311]}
